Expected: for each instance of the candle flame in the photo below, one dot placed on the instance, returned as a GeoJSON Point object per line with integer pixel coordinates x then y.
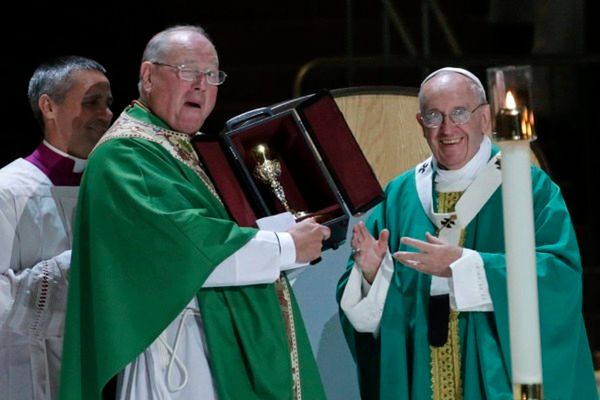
{"type": "Point", "coordinates": [510, 101]}
{"type": "Point", "coordinates": [524, 123]}
{"type": "Point", "coordinates": [527, 122]}
{"type": "Point", "coordinates": [530, 124]}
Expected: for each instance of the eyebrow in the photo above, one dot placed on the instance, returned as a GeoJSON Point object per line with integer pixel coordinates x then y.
{"type": "Point", "coordinates": [453, 108]}
{"type": "Point", "coordinates": [96, 96]}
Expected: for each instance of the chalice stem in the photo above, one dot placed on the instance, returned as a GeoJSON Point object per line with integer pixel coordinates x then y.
{"type": "Point", "coordinates": [280, 194]}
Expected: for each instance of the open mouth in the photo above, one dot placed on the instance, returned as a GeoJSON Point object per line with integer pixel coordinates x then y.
{"type": "Point", "coordinates": [193, 104]}
{"type": "Point", "coordinates": [450, 141]}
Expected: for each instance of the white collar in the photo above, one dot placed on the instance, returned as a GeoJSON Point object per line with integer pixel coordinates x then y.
{"type": "Point", "coordinates": [458, 179]}
{"type": "Point", "coordinates": [79, 163]}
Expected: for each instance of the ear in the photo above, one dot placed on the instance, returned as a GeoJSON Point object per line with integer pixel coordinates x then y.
{"type": "Point", "coordinates": [146, 75]}
{"type": "Point", "coordinates": [47, 106]}
{"type": "Point", "coordinates": [486, 119]}
{"type": "Point", "coordinates": [418, 116]}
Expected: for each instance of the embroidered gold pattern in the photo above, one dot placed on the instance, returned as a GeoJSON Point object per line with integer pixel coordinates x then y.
{"type": "Point", "coordinates": [285, 302]}
{"type": "Point", "coordinates": [176, 143]}
{"type": "Point", "coordinates": [447, 201]}
{"type": "Point", "coordinates": [446, 381]}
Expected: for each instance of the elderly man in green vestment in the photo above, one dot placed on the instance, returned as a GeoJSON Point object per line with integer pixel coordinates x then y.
{"type": "Point", "coordinates": [424, 299]}
{"type": "Point", "coordinates": [170, 299]}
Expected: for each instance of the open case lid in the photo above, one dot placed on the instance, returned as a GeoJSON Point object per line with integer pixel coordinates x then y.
{"type": "Point", "coordinates": [212, 152]}
{"type": "Point", "coordinates": [341, 154]}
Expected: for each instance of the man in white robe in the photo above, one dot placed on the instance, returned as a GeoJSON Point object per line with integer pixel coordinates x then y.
{"type": "Point", "coordinates": [70, 98]}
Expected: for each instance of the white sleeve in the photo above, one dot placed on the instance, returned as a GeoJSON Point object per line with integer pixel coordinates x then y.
{"type": "Point", "coordinates": [9, 240]}
{"type": "Point", "coordinates": [363, 305]}
{"type": "Point", "coordinates": [469, 287]}
{"type": "Point", "coordinates": [259, 261]}
{"type": "Point", "coordinates": [34, 299]}
{"type": "Point", "coordinates": [8, 281]}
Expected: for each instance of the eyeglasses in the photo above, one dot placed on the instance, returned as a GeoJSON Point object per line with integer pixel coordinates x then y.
{"type": "Point", "coordinates": [459, 116]}
{"type": "Point", "coordinates": [186, 73]}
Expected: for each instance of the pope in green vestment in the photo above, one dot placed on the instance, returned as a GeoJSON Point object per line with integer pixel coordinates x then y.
{"type": "Point", "coordinates": [148, 233]}
{"type": "Point", "coordinates": [396, 363]}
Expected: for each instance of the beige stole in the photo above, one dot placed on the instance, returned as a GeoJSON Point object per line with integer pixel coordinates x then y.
{"type": "Point", "coordinates": [454, 212]}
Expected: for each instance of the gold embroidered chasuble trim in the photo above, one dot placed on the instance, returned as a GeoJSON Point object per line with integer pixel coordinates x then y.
{"type": "Point", "coordinates": [285, 302]}
{"type": "Point", "coordinates": [178, 144]}
{"type": "Point", "coordinates": [446, 381]}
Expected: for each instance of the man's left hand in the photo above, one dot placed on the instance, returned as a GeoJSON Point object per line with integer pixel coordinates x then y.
{"type": "Point", "coordinates": [434, 258]}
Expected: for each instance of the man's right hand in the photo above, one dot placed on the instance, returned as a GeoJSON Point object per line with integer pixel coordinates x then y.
{"type": "Point", "coordinates": [308, 238]}
{"type": "Point", "coordinates": [368, 251]}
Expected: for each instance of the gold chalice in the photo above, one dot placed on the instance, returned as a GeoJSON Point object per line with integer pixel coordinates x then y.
{"type": "Point", "coordinates": [268, 172]}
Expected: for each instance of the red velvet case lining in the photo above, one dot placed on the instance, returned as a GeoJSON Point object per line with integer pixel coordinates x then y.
{"type": "Point", "coordinates": [306, 187]}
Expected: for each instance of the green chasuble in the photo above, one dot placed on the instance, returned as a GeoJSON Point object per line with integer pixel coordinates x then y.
{"type": "Point", "coordinates": [397, 365]}
{"type": "Point", "coordinates": [149, 231]}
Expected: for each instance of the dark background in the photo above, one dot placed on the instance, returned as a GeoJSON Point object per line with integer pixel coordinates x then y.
{"type": "Point", "coordinates": [264, 44]}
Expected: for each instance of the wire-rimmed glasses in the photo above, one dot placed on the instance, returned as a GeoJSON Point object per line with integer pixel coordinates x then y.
{"type": "Point", "coordinates": [458, 115]}
{"type": "Point", "coordinates": [186, 73]}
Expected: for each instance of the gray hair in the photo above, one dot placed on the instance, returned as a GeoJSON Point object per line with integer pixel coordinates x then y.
{"type": "Point", "coordinates": [476, 84]}
{"type": "Point", "coordinates": [54, 78]}
{"type": "Point", "coordinates": [158, 46]}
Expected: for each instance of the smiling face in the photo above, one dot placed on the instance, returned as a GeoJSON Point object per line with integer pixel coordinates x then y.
{"type": "Point", "coordinates": [76, 123]}
{"type": "Point", "coordinates": [454, 145]}
{"type": "Point", "coordinates": [183, 105]}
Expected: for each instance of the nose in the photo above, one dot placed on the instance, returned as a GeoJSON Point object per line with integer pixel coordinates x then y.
{"type": "Point", "coordinates": [108, 114]}
{"type": "Point", "coordinates": [201, 81]}
{"type": "Point", "coordinates": [447, 123]}
{"type": "Point", "coordinates": [105, 115]}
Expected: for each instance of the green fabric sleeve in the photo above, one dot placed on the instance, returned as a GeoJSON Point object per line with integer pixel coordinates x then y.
{"type": "Point", "coordinates": [147, 235]}
{"type": "Point", "coordinates": [402, 350]}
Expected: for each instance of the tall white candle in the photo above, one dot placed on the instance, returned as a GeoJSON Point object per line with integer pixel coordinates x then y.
{"type": "Point", "coordinates": [519, 240]}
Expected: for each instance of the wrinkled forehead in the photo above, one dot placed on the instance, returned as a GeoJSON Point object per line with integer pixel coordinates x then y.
{"type": "Point", "coordinates": [191, 48]}
{"type": "Point", "coordinates": [448, 87]}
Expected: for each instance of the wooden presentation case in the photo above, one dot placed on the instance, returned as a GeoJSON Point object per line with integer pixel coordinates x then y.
{"type": "Point", "coordinates": [323, 170]}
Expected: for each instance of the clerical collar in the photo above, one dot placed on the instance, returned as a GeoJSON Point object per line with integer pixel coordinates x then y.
{"type": "Point", "coordinates": [79, 164]}
{"type": "Point", "coordinates": [61, 168]}
{"type": "Point", "coordinates": [140, 111]}
{"type": "Point", "coordinates": [466, 174]}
